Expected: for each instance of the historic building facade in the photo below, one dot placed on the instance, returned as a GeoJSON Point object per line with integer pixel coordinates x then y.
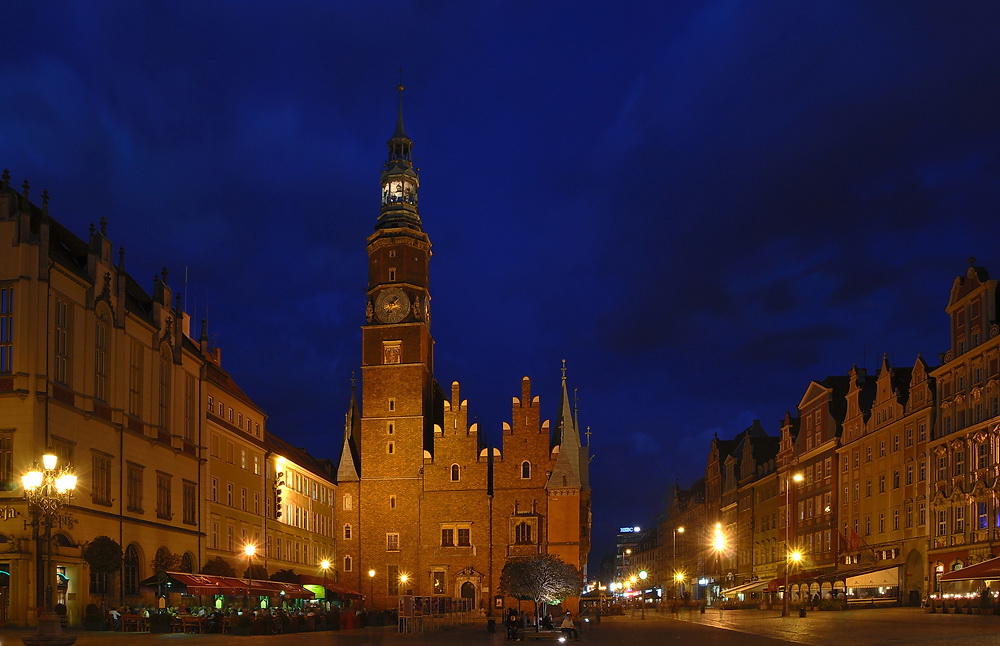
{"type": "Point", "coordinates": [427, 505]}
{"type": "Point", "coordinates": [965, 441]}
{"type": "Point", "coordinates": [108, 378]}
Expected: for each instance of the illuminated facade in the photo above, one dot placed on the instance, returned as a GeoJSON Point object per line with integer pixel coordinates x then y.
{"type": "Point", "coordinates": [108, 377]}
{"type": "Point", "coordinates": [422, 494]}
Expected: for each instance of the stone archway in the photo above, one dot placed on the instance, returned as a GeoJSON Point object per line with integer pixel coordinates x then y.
{"type": "Point", "coordinates": [468, 583]}
{"type": "Point", "coordinates": [914, 588]}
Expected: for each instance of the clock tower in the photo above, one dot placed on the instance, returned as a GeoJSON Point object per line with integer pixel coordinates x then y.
{"type": "Point", "coordinates": [397, 367]}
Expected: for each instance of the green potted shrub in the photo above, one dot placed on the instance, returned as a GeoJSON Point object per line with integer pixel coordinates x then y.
{"type": "Point", "coordinates": [93, 618]}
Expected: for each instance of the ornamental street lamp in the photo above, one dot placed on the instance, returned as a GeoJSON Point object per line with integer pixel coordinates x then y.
{"type": "Point", "coordinates": [788, 551]}
{"type": "Point", "coordinates": [249, 550]}
{"type": "Point", "coordinates": [371, 586]}
{"type": "Point", "coordinates": [46, 490]}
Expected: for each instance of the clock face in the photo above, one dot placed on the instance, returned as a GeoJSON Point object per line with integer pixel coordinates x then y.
{"type": "Point", "coordinates": [392, 305]}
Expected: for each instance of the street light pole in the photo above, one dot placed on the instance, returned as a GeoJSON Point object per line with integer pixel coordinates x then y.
{"type": "Point", "coordinates": [325, 565]}
{"type": "Point", "coordinates": [788, 552]}
{"type": "Point", "coordinates": [46, 490]}
{"type": "Point", "coordinates": [642, 577]}
{"type": "Point", "coordinates": [676, 531]}
{"type": "Point", "coordinates": [371, 586]}
{"type": "Point", "coordinates": [249, 551]}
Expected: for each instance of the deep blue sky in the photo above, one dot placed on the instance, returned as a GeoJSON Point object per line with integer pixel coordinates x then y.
{"type": "Point", "coordinates": [700, 205]}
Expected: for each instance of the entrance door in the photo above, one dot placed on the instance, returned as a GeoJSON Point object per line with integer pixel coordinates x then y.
{"type": "Point", "coordinates": [469, 592]}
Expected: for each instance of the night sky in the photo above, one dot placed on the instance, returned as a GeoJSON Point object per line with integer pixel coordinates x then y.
{"type": "Point", "coordinates": [701, 206]}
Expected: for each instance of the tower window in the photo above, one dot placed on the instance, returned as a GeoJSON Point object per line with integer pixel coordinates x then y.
{"type": "Point", "coordinates": [392, 428]}
{"type": "Point", "coordinates": [392, 404]}
{"type": "Point", "coordinates": [392, 274]}
{"type": "Point", "coordinates": [347, 532]}
{"type": "Point", "coordinates": [392, 502]}
{"type": "Point", "coordinates": [456, 473]}
{"type": "Point", "coordinates": [348, 564]}
{"type": "Point", "coordinates": [392, 253]}
{"type": "Point", "coordinates": [525, 470]}
{"type": "Point", "coordinates": [391, 448]}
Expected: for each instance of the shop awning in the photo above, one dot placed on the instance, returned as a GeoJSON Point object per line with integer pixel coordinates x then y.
{"type": "Point", "coordinates": [208, 584]}
{"type": "Point", "coordinates": [985, 570]}
{"type": "Point", "coordinates": [883, 578]}
{"type": "Point", "coordinates": [191, 583]}
{"type": "Point", "coordinates": [746, 588]}
{"type": "Point", "coordinates": [340, 590]}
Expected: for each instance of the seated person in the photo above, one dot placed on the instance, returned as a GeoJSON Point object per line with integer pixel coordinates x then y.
{"type": "Point", "coordinates": [569, 627]}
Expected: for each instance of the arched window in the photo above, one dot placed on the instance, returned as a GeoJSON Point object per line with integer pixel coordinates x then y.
{"type": "Point", "coordinates": [130, 570]}
{"type": "Point", "coordinates": [187, 563]}
{"type": "Point", "coordinates": [525, 470]}
{"type": "Point", "coordinates": [456, 472]}
{"type": "Point", "coordinates": [522, 534]}
{"type": "Point", "coordinates": [347, 564]}
{"type": "Point", "coordinates": [347, 532]}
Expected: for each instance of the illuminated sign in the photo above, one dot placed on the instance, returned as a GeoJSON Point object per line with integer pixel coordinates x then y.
{"type": "Point", "coordinates": [628, 530]}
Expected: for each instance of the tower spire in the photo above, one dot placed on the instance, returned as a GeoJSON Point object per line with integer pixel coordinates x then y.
{"type": "Point", "coordinates": [399, 179]}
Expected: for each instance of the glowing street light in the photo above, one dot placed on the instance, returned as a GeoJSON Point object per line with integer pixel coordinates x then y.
{"type": "Point", "coordinates": [46, 490]}
{"type": "Point", "coordinates": [371, 586]}
{"type": "Point", "coordinates": [325, 565]}
{"type": "Point", "coordinates": [249, 549]}
{"type": "Point", "coordinates": [790, 556]}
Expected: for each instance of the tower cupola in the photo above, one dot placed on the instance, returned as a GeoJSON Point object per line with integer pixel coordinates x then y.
{"type": "Point", "coordinates": [400, 183]}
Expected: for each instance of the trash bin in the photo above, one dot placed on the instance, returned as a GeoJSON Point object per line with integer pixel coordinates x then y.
{"type": "Point", "coordinates": [491, 625]}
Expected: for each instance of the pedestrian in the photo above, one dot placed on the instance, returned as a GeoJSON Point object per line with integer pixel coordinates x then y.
{"type": "Point", "coordinates": [523, 628]}
{"type": "Point", "coordinates": [511, 623]}
{"type": "Point", "coordinates": [569, 627]}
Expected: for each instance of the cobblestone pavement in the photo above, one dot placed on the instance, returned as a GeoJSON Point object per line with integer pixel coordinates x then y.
{"type": "Point", "coordinates": [870, 627]}
{"type": "Point", "coordinates": [881, 627]}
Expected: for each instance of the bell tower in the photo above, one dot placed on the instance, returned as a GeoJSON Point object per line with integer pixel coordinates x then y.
{"type": "Point", "coordinates": [397, 368]}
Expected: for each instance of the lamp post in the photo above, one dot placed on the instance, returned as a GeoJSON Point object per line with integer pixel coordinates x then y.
{"type": "Point", "coordinates": [403, 578]}
{"type": "Point", "coordinates": [46, 490]}
{"type": "Point", "coordinates": [642, 577]}
{"type": "Point", "coordinates": [249, 550]}
{"type": "Point", "coordinates": [788, 552]}
{"type": "Point", "coordinates": [371, 586]}
{"type": "Point", "coordinates": [325, 565]}
{"type": "Point", "coordinates": [719, 546]}
{"type": "Point", "coordinates": [677, 530]}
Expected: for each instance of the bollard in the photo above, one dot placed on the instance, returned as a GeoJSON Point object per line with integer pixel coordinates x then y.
{"type": "Point", "coordinates": [802, 611]}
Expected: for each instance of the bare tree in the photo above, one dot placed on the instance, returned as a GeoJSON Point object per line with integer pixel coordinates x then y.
{"type": "Point", "coordinates": [543, 579]}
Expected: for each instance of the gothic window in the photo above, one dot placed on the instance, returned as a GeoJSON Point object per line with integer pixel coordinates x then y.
{"type": "Point", "coordinates": [62, 342]}
{"type": "Point", "coordinates": [522, 534]}
{"type": "Point", "coordinates": [6, 329]}
{"type": "Point", "coordinates": [6, 460]}
{"type": "Point", "coordinates": [525, 470]}
{"type": "Point", "coordinates": [130, 570]}
{"type": "Point", "coordinates": [101, 359]}
{"type": "Point", "coordinates": [456, 472]}
{"type": "Point", "coordinates": [163, 408]}
{"type": "Point", "coordinates": [348, 564]}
